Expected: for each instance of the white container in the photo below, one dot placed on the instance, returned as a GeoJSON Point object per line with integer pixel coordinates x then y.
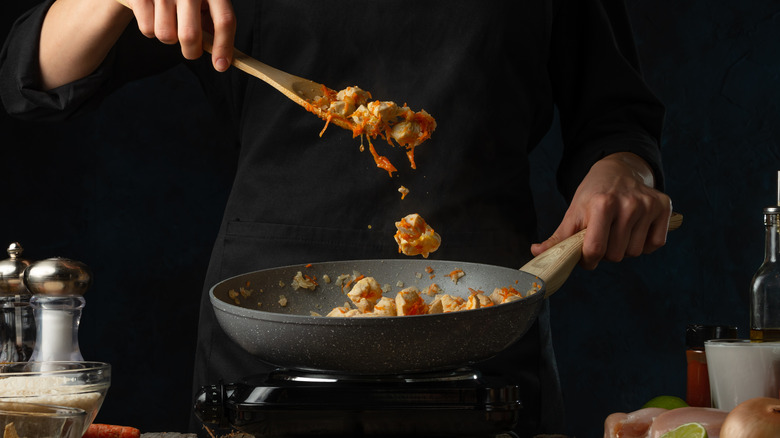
{"type": "Point", "coordinates": [740, 370]}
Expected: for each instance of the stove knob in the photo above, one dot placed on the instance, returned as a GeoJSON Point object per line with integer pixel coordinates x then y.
{"type": "Point", "coordinates": [209, 406]}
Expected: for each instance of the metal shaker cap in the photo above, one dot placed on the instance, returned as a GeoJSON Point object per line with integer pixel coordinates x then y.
{"type": "Point", "coordinates": [57, 276]}
{"type": "Point", "coordinates": [12, 271]}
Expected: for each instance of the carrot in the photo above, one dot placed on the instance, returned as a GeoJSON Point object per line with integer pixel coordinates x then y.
{"type": "Point", "coordinates": [96, 430]}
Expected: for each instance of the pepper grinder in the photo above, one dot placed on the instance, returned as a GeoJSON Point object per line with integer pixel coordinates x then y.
{"type": "Point", "coordinates": [17, 326]}
{"type": "Point", "coordinates": [57, 286]}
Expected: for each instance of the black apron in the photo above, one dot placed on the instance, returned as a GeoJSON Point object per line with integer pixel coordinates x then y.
{"type": "Point", "coordinates": [299, 198]}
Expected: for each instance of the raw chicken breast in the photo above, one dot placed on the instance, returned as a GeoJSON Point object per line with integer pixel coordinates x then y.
{"type": "Point", "coordinates": [632, 425]}
{"type": "Point", "coordinates": [711, 419]}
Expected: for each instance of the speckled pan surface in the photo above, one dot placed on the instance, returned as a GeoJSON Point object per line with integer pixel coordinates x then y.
{"type": "Point", "coordinates": [290, 336]}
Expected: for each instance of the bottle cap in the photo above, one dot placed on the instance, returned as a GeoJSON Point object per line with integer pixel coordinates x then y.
{"type": "Point", "coordinates": [696, 334]}
{"type": "Point", "coordinates": [771, 215]}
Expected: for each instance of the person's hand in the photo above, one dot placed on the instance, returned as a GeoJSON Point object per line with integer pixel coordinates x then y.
{"type": "Point", "coordinates": [625, 216]}
{"type": "Point", "coordinates": [183, 21]}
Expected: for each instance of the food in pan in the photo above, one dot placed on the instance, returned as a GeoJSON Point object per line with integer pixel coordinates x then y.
{"type": "Point", "coordinates": [365, 293]}
{"type": "Point", "coordinates": [367, 297]}
{"type": "Point", "coordinates": [415, 237]}
{"type": "Point", "coordinates": [302, 281]}
{"type": "Point", "coordinates": [370, 119]}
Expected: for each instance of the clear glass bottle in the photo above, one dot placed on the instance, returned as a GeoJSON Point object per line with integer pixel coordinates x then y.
{"type": "Point", "coordinates": [765, 286]}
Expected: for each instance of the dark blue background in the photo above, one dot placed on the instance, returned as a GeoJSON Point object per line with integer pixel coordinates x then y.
{"type": "Point", "coordinates": [136, 191]}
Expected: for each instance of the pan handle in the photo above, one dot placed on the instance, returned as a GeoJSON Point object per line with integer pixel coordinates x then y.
{"type": "Point", "coordinates": [554, 265]}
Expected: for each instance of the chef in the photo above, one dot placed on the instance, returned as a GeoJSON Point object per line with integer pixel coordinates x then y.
{"type": "Point", "coordinates": [491, 73]}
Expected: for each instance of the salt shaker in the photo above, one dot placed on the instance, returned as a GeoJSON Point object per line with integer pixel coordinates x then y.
{"type": "Point", "coordinates": [17, 323]}
{"type": "Point", "coordinates": [57, 286]}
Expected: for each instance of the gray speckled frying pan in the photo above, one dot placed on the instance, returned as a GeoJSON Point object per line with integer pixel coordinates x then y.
{"type": "Point", "coordinates": [290, 336]}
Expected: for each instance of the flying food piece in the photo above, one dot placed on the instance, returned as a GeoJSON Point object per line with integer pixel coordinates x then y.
{"type": "Point", "coordinates": [415, 237]}
{"type": "Point", "coordinates": [353, 107]}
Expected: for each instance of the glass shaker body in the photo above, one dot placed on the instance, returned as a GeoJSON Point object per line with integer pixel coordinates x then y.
{"type": "Point", "coordinates": [17, 328]}
{"type": "Point", "coordinates": [57, 320]}
{"type": "Point", "coordinates": [765, 285]}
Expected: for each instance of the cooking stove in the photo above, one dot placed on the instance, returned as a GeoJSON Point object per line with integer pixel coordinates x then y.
{"type": "Point", "coordinates": [286, 403]}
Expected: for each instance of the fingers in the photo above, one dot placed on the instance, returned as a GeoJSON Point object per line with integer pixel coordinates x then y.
{"type": "Point", "coordinates": [165, 28]}
{"type": "Point", "coordinates": [189, 30]}
{"type": "Point", "coordinates": [224, 22]}
{"type": "Point", "coordinates": [144, 15]}
{"type": "Point", "coordinates": [615, 231]}
{"type": "Point", "coordinates": [183, 21]}
{"type": "Point", "coordinates": [629, 230]}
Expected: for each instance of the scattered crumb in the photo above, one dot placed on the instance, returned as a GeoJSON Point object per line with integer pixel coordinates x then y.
{"type": "Point", "coordinates": [400, 283]}
{"type": "Point", "coordinates": [456, 275]}
{"type": "Point", "coordinates": [301, 281]}
{"type": "Point", "coordinates": [326, 278]}
{"type": "Point", "coordinates": [432, 290]}
{"type": "Point", "coordinates": [282, 300]}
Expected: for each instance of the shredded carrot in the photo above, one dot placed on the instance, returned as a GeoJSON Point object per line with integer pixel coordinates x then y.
{"type": "Point", "coordinates": [327, 122]}
{"type": "Point", "coordinates": [381, 162]}
{"type": "Point", "coordinates": [356, 279]}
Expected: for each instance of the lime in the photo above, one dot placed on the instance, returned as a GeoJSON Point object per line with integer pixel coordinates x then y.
{"type": "Point", "coordinates": [689, 430]}
{"type": "Point", "coordinates": [666, 402]}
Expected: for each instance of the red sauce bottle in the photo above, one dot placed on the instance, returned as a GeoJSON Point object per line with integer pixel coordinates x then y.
{"type": "Point", "coordinates": [698, 386]}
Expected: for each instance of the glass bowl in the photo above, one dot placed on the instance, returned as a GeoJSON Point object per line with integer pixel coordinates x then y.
{"type": "Point", "coordinates": [80, 385]}
{"type": "Point", "coordinates": [41, 421]}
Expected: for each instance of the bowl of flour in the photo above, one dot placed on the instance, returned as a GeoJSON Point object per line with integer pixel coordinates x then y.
{"type": "Point", "coordinates": [79, 385]}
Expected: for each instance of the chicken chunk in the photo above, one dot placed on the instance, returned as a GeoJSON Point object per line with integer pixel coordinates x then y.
{"type": "Point", "coordinates": [415, 237]}
{"type": "Point", "coordinates": [477, 301]}
{"type": "Point", "coordinates": [450, 303]}
{"type": "Point", "coordinates": [365, 293]}
{"type": "Point", "coordinates": [435, 306]}
{"type": "Point", "coordinates": [409, 302]}
{"type": "Point", "coordinates": [503, 295]}
{"type": "Point", "coordinates": [343, 311]}
{"type": "Point", "coordinates": [385, 307]}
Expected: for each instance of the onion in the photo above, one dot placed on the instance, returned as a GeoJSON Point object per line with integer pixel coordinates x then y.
{"type": "Point", "coordinates": [755, 418]}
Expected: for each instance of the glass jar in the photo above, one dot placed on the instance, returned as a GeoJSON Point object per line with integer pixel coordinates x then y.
{"type": "Point", "coordinates": [698, 379]}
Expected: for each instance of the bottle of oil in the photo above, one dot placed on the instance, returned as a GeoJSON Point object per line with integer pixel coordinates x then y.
{"type": "Point", "coordinates": [765, 286]}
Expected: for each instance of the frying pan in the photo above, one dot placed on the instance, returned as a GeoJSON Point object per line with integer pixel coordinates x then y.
{"type": "Point", "coordinates": [280, 325]}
